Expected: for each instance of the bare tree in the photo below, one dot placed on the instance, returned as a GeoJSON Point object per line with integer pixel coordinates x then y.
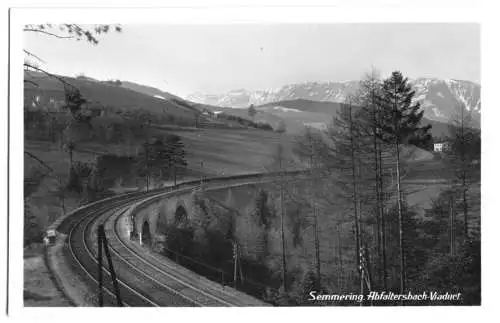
{"type": "Point", "coordinates": [367, 99]}
{"type": "Point", "coordinates": [310, 147]}
{"type": "Point", "coordinates": [340, 160]}
{"type": "Point", "coordinates": [279, 164]}
{"type": "Point", "coordinates": [463, 156]}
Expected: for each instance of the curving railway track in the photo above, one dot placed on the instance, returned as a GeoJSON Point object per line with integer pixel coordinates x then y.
{"type": "Point", "coordinates": [144, 279]}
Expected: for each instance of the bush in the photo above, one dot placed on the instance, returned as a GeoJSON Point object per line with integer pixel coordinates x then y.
{"type": "Point", "coordinates": [459, 273]}
{"type": "Point", "coordinates": [110, 167]}
{"type": "Point", "coordinates": [180, 240]}
{"type": "Point", "coordinates": [78, 176]}
{"type": "Point", "coordinates": [264, 126]}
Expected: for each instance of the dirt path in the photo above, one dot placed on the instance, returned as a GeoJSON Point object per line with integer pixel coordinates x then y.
{"type": "Point", "coordinates": [39, 287]}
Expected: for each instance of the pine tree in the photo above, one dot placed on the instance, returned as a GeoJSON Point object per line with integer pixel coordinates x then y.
{"type": "Point", "coordinates": [74, 101]}
{"type": "Point", "coordinates": [161, 157]}
{"type": "Point", "coordinates": [399, 120]}
{"type": "Point", "coordinates": [175, 156]}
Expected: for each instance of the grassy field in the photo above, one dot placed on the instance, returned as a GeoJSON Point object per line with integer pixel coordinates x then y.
{"type": "Point", "coordinates": [104, 94]}
{"type": "Point", "coordinates": [294, 121]}
{"type": "Point", "coordinates": [223, 152]}
{"type": "Point", "coordinates": [233, 151]}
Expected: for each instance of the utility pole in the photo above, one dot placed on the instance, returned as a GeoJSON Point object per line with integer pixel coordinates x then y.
{"type": "Point", "coordinates": [464, 172]}
{"type": "Point", "coordinates": [341, 269]}
{"type": "Point", "coordinates": [316, 243]}
{"type": "Point", "coordinates": [452, 226]}
{"type": "Point", "coordinates": [282, 196]}
{"type": "Point", "coordinates": [235, 260]}
{"type": "Point", "coordinates": [378, 186]}
{"type": "Point", "coordinates": [382, 218]}
{"type": "Point", "coordinates": [365, 271]}
{"type": "Point", "coordinates": [103, 244]}
{"type": "Point", "coordinates": [315, 216]}
{"type": "Point", "coordinates": [400, 207]}
{"type": "Point", "coordinates": [201, 176]}
{"type": "Point", "coordinates": [148, 170]}
{"type": "Point", "coordinates": [354, 180]}
{"type": "Point", "coordinates": [99, 258]}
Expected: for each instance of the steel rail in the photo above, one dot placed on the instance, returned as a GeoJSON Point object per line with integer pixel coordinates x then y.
{"type": "Point", "coordinates": [84, 218]}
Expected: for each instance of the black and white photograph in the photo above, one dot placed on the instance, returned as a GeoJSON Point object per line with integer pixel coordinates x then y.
{"type": "Point", "coordinates": [248, 163]}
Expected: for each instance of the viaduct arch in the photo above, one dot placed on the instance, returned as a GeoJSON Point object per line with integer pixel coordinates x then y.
{"type": "Point", "coordinates": [146, 223]}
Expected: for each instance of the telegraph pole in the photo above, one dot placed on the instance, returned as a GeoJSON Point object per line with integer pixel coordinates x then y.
{"type": "Point", "coordinates": [99, 258]}
{"type": "Point", "coordinates": [282, 196]}
{"type": "Point", "coordinates": [452, 227]}
{"type": "Point", "coordinates": [235, 258]}
{"type": "Point", "coordinates": [103, 244]}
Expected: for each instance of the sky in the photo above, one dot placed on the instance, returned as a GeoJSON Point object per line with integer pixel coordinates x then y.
{"type": "Point", "coordinates": [183, 59]}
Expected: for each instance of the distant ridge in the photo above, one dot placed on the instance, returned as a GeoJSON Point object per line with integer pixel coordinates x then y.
{"type": "Point", "coordinates": [439, 98]}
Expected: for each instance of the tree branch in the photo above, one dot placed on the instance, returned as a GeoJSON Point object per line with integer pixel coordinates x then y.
{"type": "Point", "coordinates": [33, 55]}
{"type": "Point", "coordinates": [47, 33]}
{"type": "Point", "coordinates": [31, 82]}
{"type": "Point", "coordinates": [60, 79]}
{"type": "Point", "coordinates": [38, 160]}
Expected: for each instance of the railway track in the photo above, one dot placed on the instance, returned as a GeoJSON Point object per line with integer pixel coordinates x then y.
{"type": "Point", "coordinates": [144, 280]}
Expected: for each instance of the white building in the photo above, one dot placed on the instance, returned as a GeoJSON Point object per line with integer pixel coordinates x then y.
{"type": "Point", "coordinates": [441, 146]}
{"type": "Point", "coordinates": [211, 114]}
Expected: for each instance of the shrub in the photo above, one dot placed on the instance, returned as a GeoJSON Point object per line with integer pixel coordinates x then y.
{"type": "Point", "coordinates": [264, 126]}
{"type": "Point", "coordinates": [78, 176]}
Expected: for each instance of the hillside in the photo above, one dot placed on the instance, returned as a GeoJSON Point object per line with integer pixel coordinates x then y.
{"type": "Point", "coordinates": [303, 105]}
{"type": "Point", "coordinates": [50, 90]}
{"type": "Point", "coordinates": [316, 114]}
{"type": "Point", "coordinates": [439, 98]}
{"type": "Point", "coordinates": [298, 113]}
{"type": "Point", "coordinates": [148, 90]}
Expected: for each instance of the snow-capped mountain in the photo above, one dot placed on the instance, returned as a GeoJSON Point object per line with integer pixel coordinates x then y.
{"type": "Point", "coordinates": [315, 91]}
{"type": "Point", "coordinates": [439, 98]}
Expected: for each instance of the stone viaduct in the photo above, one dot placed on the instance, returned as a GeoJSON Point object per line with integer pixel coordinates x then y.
{"type": "Point", "coordinates": [144, 218]}
{"type": "Point", "coordinates": [144, 221]}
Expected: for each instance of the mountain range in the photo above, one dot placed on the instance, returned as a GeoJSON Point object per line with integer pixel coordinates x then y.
{"type": "Point", "coordinates": [296, 105]}
{"type": "Point", "coordinates": [440, 99]}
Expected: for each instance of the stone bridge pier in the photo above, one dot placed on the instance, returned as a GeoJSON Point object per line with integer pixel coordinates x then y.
{"type": "Point", "coordinates": [145, 222]}
{"type": "Point", "coordinates": [175, 208]}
